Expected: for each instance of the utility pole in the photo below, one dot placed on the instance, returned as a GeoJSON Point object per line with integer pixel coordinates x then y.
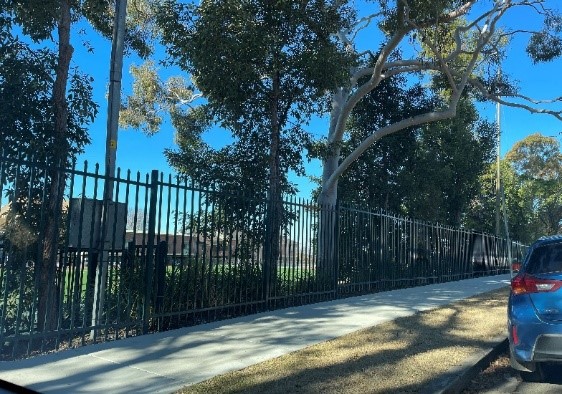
{"type": "Point", "coordinates": [114, 104]}
{"type": "Point", "coordinates": [114, 99]}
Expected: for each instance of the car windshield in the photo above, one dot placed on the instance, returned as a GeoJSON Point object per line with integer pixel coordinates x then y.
{"type": "Point", "coordinates": [545, 259]}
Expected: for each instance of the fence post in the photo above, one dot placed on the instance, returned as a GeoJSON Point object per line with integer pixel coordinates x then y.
{"type": "Point", "coordinates": [148, 275]}
{"type": "Point", "coordinates": [336, 238]}
{"type": "Point", "coordinates": [267, 249]}
{"type": "Point", "coordinates": [160, 282]}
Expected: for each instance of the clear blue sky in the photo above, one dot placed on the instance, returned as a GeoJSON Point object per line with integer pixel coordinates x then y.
{"type": "Point", "coordinates": [138, 152]}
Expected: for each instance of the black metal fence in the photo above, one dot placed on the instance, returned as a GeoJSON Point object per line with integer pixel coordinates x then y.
{"type": "Point", "coordinates": [165, 253]}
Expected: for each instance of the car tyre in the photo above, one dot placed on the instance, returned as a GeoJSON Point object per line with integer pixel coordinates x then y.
{"type": "Point", "coordinates": [535, 376]}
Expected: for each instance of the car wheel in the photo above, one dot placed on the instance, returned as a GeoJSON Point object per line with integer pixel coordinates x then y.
{"type": "Point", "coordinates": [534, 376]}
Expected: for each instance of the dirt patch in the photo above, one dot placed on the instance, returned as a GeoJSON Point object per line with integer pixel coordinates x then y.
{"type": "Point", "coordinates": [497, 374]}
{"type": "Point", "coordinates": [401, 356]}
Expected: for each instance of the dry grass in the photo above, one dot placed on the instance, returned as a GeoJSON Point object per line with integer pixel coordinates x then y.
{"type": "Point", "coordinates": [498, 373]}
{"type": "Point", "coordinates": [399, 356]}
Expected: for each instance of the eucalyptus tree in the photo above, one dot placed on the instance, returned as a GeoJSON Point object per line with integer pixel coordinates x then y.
{"type": "Point", "coordinates": [537, 162]}
{"type": "Point", "coordinates": [263, 68]}
{"type": "Point", "coordinates": [430, 172]}
{"type": "Point", "coordinates": [458, 43]}
{"type": "Point", "coordinates": [531, 189]}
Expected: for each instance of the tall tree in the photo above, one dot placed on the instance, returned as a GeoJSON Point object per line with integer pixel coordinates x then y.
{"type": "Point", "coordinates": [452, 41]}
{"type": "Point", "coordinates": [64, 133]}
{"type": "Point", "coordinates": [537, 162]}
{"type": "Point", "coordinates": [531, 187]}
{"type": "Point", "coordinates": [263, 67]}
{"type": "Point", "coordinates": [44, 22]}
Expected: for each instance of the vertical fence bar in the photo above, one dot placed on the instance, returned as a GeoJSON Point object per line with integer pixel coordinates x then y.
{"type": "Point", "coordinates": [336, 240]}
{"type": "Point", "coordinates": [148, 275]}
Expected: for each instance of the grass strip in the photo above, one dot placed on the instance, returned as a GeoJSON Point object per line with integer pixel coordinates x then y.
{"type": "Point", "coordinates": [400, 356]}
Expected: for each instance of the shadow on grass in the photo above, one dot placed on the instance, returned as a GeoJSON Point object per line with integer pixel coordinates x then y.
{"type": "Point", "coordinates": [406, 355]}
{"type": "Point", "coordinates": [181, 357]}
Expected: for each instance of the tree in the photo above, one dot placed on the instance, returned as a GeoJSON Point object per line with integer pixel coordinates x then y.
{"type": "Point", "coordinates": [289, 60]}
{"type": "Point", "coordinates": [454, 43]}
{"type": "Point", "coordinates": [43, 22]}
{"type": "Point", "coordinates": [429, 172]}
{"type": "Point", "coordinates": [531, 190]}
{"type": "Point", "coordinates": [537, 162]}
{"type": "Point", "coordinates": [40, 126]}
{"type": "Point", "coordinates": [439, 41]}
{"type": "Point", "coordinates": [26, 124]}
{"type": "Point", "coordinates": [444, 44]}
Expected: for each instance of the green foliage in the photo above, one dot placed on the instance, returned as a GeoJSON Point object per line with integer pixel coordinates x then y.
{"type": "Point", "coordinates": [284, 37]}
{"type": "Point", "coordinates": [443, 176]}
{"type": "Point", "coordinates": [546, 45]}
{"type": "Point", "coordinates": [125, 294]}
{"type": "Point", "coordinates": [373, 180]}
{"type": "Point", "coordinates": [38, 18]}
{"type": "Point", "coordinates": [141, 29]}
{"type": "Point", "coordinates": [146, 90]}
{"type": "Point", "coordinates": [289, 61]}
{"type": "Point", "coordinates": [536, 157]}
{"type": "Point", "coordinates": [537, 163]}
{"type": "Point", "coordinates": [530, 175]}
{"type": "Point", "coordinates": [424, 12]}
{"type": "Point", "coordinates": [18, 290]}
{"type": "Point", "coordinates": [430, 172]}
{"type": "Point", "coordinates": [199, 284]}
{"type": "Point", "coordinates": [27, 122]}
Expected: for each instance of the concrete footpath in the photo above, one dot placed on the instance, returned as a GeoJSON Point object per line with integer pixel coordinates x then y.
{"type": "Point", "coordinates": [167, 361]}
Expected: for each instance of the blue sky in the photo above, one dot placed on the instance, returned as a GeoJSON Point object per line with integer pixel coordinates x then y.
{"type": "Point", "coordinates": [138, 152]}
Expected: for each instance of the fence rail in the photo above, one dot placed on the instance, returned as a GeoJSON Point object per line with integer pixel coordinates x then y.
{"type": "Point", "coordinates": [166, 252]}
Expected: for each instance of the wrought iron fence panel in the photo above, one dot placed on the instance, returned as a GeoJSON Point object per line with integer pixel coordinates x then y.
{"type": "Point", "coordinates": [166, 252]}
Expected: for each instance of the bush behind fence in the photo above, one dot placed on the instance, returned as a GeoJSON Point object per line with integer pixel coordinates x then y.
{"type": "Point", "coordinates": [166, 253]}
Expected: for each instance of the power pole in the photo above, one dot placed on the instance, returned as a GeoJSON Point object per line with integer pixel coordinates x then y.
{"type": "Point", "coordinates": [114, 104]}
{"type": "Point", "coordinates": [114, 99]}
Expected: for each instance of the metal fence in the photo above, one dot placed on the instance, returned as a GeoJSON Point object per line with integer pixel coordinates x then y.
{"type": "Point", "coordinates": [166, 253]}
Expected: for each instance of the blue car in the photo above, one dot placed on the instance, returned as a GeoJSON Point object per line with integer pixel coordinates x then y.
{"type": "Point", "coordinates": [535, 310]}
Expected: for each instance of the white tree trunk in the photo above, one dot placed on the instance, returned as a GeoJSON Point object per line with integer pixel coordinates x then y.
{"type": "Point", "coordinates": [327, 200]}
{"type": "Point", "coordinates": [331, 162]}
